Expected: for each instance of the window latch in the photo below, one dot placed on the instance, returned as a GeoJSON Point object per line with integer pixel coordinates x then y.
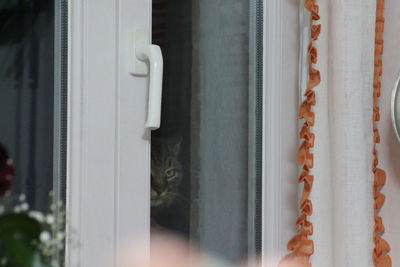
{"type": "Point", "coordinates": [148, 61]}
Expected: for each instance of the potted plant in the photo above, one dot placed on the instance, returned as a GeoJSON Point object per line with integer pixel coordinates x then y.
{"type": "Point", "coordinates": [28, 238]}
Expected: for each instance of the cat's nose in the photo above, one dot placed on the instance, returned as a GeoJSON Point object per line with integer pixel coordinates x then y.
{"type": "Point", "coordinates": [159, 191]}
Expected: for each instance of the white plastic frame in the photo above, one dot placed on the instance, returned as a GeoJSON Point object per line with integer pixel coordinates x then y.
{"type": "Point", "coordinates": [108, 146]}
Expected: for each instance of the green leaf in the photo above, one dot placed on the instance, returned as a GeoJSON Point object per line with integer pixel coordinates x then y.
{"type": "Point", "coordinates": [20, 223]}
{"type": "Point", "coordinates": [18, 232]}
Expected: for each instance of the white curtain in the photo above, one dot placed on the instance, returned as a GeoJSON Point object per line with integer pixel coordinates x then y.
{"type": "Point", "coordinates": [342, 191]}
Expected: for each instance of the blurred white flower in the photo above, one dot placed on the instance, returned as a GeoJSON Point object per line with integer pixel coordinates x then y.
{"type": "Point", "coordinates": [3, 261]}
{"type": "Point", "coordinates": [54, 263]}
{"type": "Point", "coordinates": [36, 215]}
{"type": "Point", "coordinates": [45, 236]}
{"type": "Point", "coordinates": [50, 219]}
{"type": "Point", "coordinates": [22, 197]}
{"type": "Point", "coordinates": [24, 206]}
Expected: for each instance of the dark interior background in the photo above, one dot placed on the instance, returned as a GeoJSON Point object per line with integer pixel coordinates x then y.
{"type": "Point", "coordinates": [27, 94]}
{"type": "Point", "coordinates": [172, 31]}
{"type": "Point", "coordinates": [205, 44]}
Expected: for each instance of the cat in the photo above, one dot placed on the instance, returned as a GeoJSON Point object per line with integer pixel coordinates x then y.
{"type": "Point", "coordinates": [166, 172]}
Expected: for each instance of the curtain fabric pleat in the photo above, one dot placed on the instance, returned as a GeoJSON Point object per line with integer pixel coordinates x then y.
{"type": "Point", "coordinates": [345, 187]}
{"type": "Point", "coordinates": [352, 25]}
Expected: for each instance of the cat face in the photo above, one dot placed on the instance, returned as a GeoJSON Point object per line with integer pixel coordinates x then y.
{"type": "Point", "coordinates": [166, 172]}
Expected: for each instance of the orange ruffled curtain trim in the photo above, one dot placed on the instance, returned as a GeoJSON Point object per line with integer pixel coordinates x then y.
{"type": "Point", "coordinates": [301, 245]}
{"type": "Point", "coordinates": [382, 248]}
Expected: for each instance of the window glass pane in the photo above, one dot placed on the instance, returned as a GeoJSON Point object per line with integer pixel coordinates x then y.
{"type": "Point", "coordinates": [32, 127]}
{"type": "Point", "coordinates": [204, 171]}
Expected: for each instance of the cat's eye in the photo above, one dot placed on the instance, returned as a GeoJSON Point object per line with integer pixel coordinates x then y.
{"type": "Point", "coordinates": [170, 173]}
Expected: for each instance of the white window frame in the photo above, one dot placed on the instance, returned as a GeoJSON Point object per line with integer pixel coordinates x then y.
{"type": "Point", "coordinates": [105, 104]}
{"type": "Point", "coordinates": [102, 174]}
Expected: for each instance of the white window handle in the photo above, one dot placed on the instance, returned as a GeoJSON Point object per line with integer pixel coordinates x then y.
{"type": "Point", "coordinates": [147, 53]}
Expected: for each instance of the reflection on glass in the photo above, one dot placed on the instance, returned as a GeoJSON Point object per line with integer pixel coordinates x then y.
{"type": "Point", "coordinates": [26, 95]}
{"type": "Point", "coordinates": [200, 184]}
{"type": "Point", "coordinates": [28, 123]}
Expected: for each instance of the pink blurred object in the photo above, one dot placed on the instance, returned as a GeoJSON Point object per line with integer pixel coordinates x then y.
{"type": "Point", "coordinates": [167, 251]}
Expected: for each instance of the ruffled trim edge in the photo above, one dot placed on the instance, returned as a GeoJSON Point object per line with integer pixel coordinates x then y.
{"type": "Point", "coordinates": [301, 245]}
{"type": "Point", "coordinates": [381, 257]}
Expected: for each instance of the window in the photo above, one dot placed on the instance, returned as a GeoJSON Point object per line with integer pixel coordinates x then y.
{"type": "Point", "coordinates": [204, 156]}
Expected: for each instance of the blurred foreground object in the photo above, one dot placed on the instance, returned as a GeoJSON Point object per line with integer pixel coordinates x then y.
{"type": "Point", "coordinates": [28, 238]}
{"type": "Point", "coordinates": [168, 251]}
